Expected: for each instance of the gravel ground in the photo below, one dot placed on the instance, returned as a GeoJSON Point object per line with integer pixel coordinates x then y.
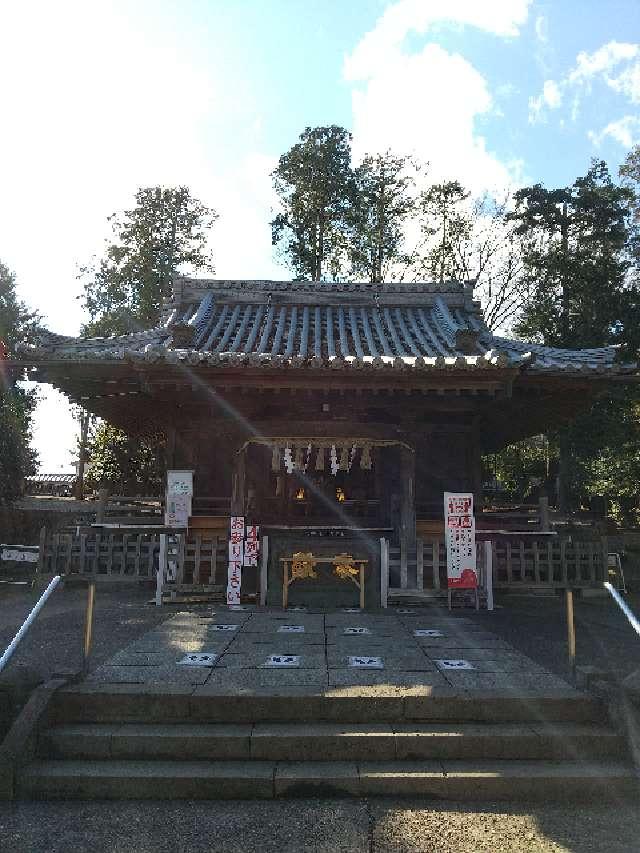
{"type": "Point", "coordinates": [305, 826]}
{"type": "Point", "coordinates": [55, 641]}
{"type": "Point", "coordinates": [537, 627]}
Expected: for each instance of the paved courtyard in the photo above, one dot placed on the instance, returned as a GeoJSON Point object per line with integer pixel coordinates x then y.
{"type": "Point", "coordinates": [228, 650]}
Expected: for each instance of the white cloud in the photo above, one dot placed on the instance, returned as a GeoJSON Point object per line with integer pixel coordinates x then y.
{"type": "Point", "coordinates": [500, 17]}
{"type": "Point", "coordinates": [542, 29]}
{"type": "Point", "coordinates": [550, 97]}
{"type": "Point", "coordinates": [589, 65]}
{"type": "Point", "coordinates": [628, 83]}
{"type": "Point", "coordinates": [427, 102]}
{"type": "Point", "coordinates": [588, 68]}
{"type": "Point", "coordinates": [97, 100]}
{"type": "Point", "coordinates": [626, 131]}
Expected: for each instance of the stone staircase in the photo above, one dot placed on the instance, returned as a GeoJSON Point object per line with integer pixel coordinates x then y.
{"type": "Point", "coordinates": [148, 742]}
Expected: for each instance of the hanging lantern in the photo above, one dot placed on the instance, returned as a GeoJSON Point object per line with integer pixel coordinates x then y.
{"type": "Point", "coordinates": [365, 459]}
{"type": "Point", "coordinates": [275, 458]}
{"type": "Point", "coordinates": [320, 459]}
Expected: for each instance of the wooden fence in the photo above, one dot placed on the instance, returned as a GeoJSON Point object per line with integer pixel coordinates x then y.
{"type": "Point", "coordinates": [519, 562]}
{"type": "Point", "coordinates": [135, 554]}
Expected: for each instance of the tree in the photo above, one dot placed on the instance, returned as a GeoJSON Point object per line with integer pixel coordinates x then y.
{"type": "Point", "coordinates": [315, 184]}
{"type": "Point", "coordinates": [18, 325]}
{"type": "Point", "coordinates": [384, 201]}
{"type": "Point", "coordinates": [576, 264]}
{"type": "Point", "coordinates": [447, 221]}
{"type": "Point", "coordinates": [165, 231]}
{"type": "Point", "coordinates": [575, 240]}
{"type": "Point", "coordinates": [126, 465]}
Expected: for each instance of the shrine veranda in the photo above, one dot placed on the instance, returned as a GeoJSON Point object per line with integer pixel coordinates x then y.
{"type": "Point", "coordinates": [332, 415]}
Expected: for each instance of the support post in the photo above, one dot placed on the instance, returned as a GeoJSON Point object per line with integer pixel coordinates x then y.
{"type": "Point", "coordinates": [238, 484]}
{"type": "Point", "coordinates": [384, 572]}
{"type": "Point", "coordinates": [88, 624]}
{"type": "Point", "coordinates": [407, 501]}
{"type": "Point", "coordinates": [571, 631]}
{"type": "Point", "coordinates": [42, 551]}
{"type": "Point", "coordinates": [264, 570]}
{"type": "Point", "coordinates": [488, 572]}
{"type": "Point", "coordinates": [543, 509]}
{"type": "Point", "coordinates": [103, 497]}
{"type": "Point", "coordinates": [162, 565]}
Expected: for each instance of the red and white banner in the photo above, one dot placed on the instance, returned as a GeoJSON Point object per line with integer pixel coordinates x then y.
{"type": "Point", "coordinates": [252, 545]}
{"type": "Point", "coordinates": [460, 538]}
{"type": "Point", "coordinates": [236, 556]}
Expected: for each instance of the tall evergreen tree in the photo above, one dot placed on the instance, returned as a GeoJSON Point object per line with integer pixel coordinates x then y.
{"type": "Point", "coordinates": [576, 262]}
{"type": "Point", "coordinates": [384, 202]}
{"type": "Point", "coordinates": [166, 231]}
{"type": "Point", "coordinates": [575, 240]}
{"type": "Point", "coordinates": [18, 325]}
{"type": "Point", "coordinates": [314, 182]}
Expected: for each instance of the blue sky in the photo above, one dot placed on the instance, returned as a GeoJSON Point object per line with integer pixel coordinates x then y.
{"type": "Point", "coordinates": [98, 98]}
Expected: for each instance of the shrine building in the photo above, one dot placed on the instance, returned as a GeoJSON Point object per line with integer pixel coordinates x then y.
{"type": "Point", "coordinates": [330, 414]}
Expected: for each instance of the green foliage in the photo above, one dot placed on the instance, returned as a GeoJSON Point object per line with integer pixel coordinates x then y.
{"type": "Point", "coordinates": [17, 326]}
{"type": "Point", "coordinates": [575, 240]}
{"type": "Point", "coordinates": [522, 470]}
{"type": "Point", "coordinates": [384, 201]}
{"type": "Point", "coordinates": [17, 459]}
{"type": "Point", "coordinates": [123, 464]}
{"type": "Point", "coordinates": [447, 219]}
{"type": "Point", "coordinates": [315, 185]}
{"type": "Point", "coordinates": [165, 231]}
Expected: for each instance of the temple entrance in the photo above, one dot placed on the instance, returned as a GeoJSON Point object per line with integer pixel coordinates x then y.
{"type": "Point", "coordinates": [350, 484]}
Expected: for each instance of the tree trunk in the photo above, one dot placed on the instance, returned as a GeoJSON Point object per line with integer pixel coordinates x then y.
{"type": "Point", "coordinates": [320, 250]}
{"type": "Point", "coordinates": [565, 496]}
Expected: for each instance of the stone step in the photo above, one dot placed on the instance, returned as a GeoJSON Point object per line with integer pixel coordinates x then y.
{"type": "Point", "coordinates": [457, 780]}
{"type": "Point", "coordinates": [331, 741]}
{"type": "Point", "coordinates": [162, 703]}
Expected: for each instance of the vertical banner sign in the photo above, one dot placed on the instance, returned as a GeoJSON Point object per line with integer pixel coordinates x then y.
{"type": "Point", "coordinates": [236, 558]}
{"type": "Point", "coordinates": [179, 497]}
{"type": "Point", "coordinates": [252, 545]}
{"type": "Point", "coordinates": [460, 538]}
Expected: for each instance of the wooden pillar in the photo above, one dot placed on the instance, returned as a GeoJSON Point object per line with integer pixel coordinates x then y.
{"type": "Point", "coordinates": [476, 467]}
{"type": "Point", "coordinates": [238, 483]}
{"type": "Point", "coordinates": [407, 500]}
{"type": "Point", "coordinates": [543, 504]}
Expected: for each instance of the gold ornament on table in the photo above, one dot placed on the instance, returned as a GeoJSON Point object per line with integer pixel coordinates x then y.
{"type": "Point", "coordinates": [303, 565]}
{"type": "Point", "coordinates": [344, 567]}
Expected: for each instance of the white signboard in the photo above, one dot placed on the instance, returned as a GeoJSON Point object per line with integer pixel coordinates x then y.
{"type": "Point", "coordinates": [179, 498]}
{"type": "Point", "coordinates": [460, 537]}
{"type": "Point", "coordinates": [19, 556]}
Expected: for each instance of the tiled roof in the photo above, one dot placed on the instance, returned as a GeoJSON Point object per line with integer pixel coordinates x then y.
{"type": "Point", "coordinates": [328, 325]}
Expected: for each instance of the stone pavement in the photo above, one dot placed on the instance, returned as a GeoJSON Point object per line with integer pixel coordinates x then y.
{"type": "Point", "coordinates": [250, 649]}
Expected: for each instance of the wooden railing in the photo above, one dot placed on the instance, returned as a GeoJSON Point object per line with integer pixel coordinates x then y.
{"type": "Point", "coordinates": [134, 554]}
{"type": "Point", "coordinates": [519, 561]}
{"type": "Point", "coordinates": [102, 552]}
